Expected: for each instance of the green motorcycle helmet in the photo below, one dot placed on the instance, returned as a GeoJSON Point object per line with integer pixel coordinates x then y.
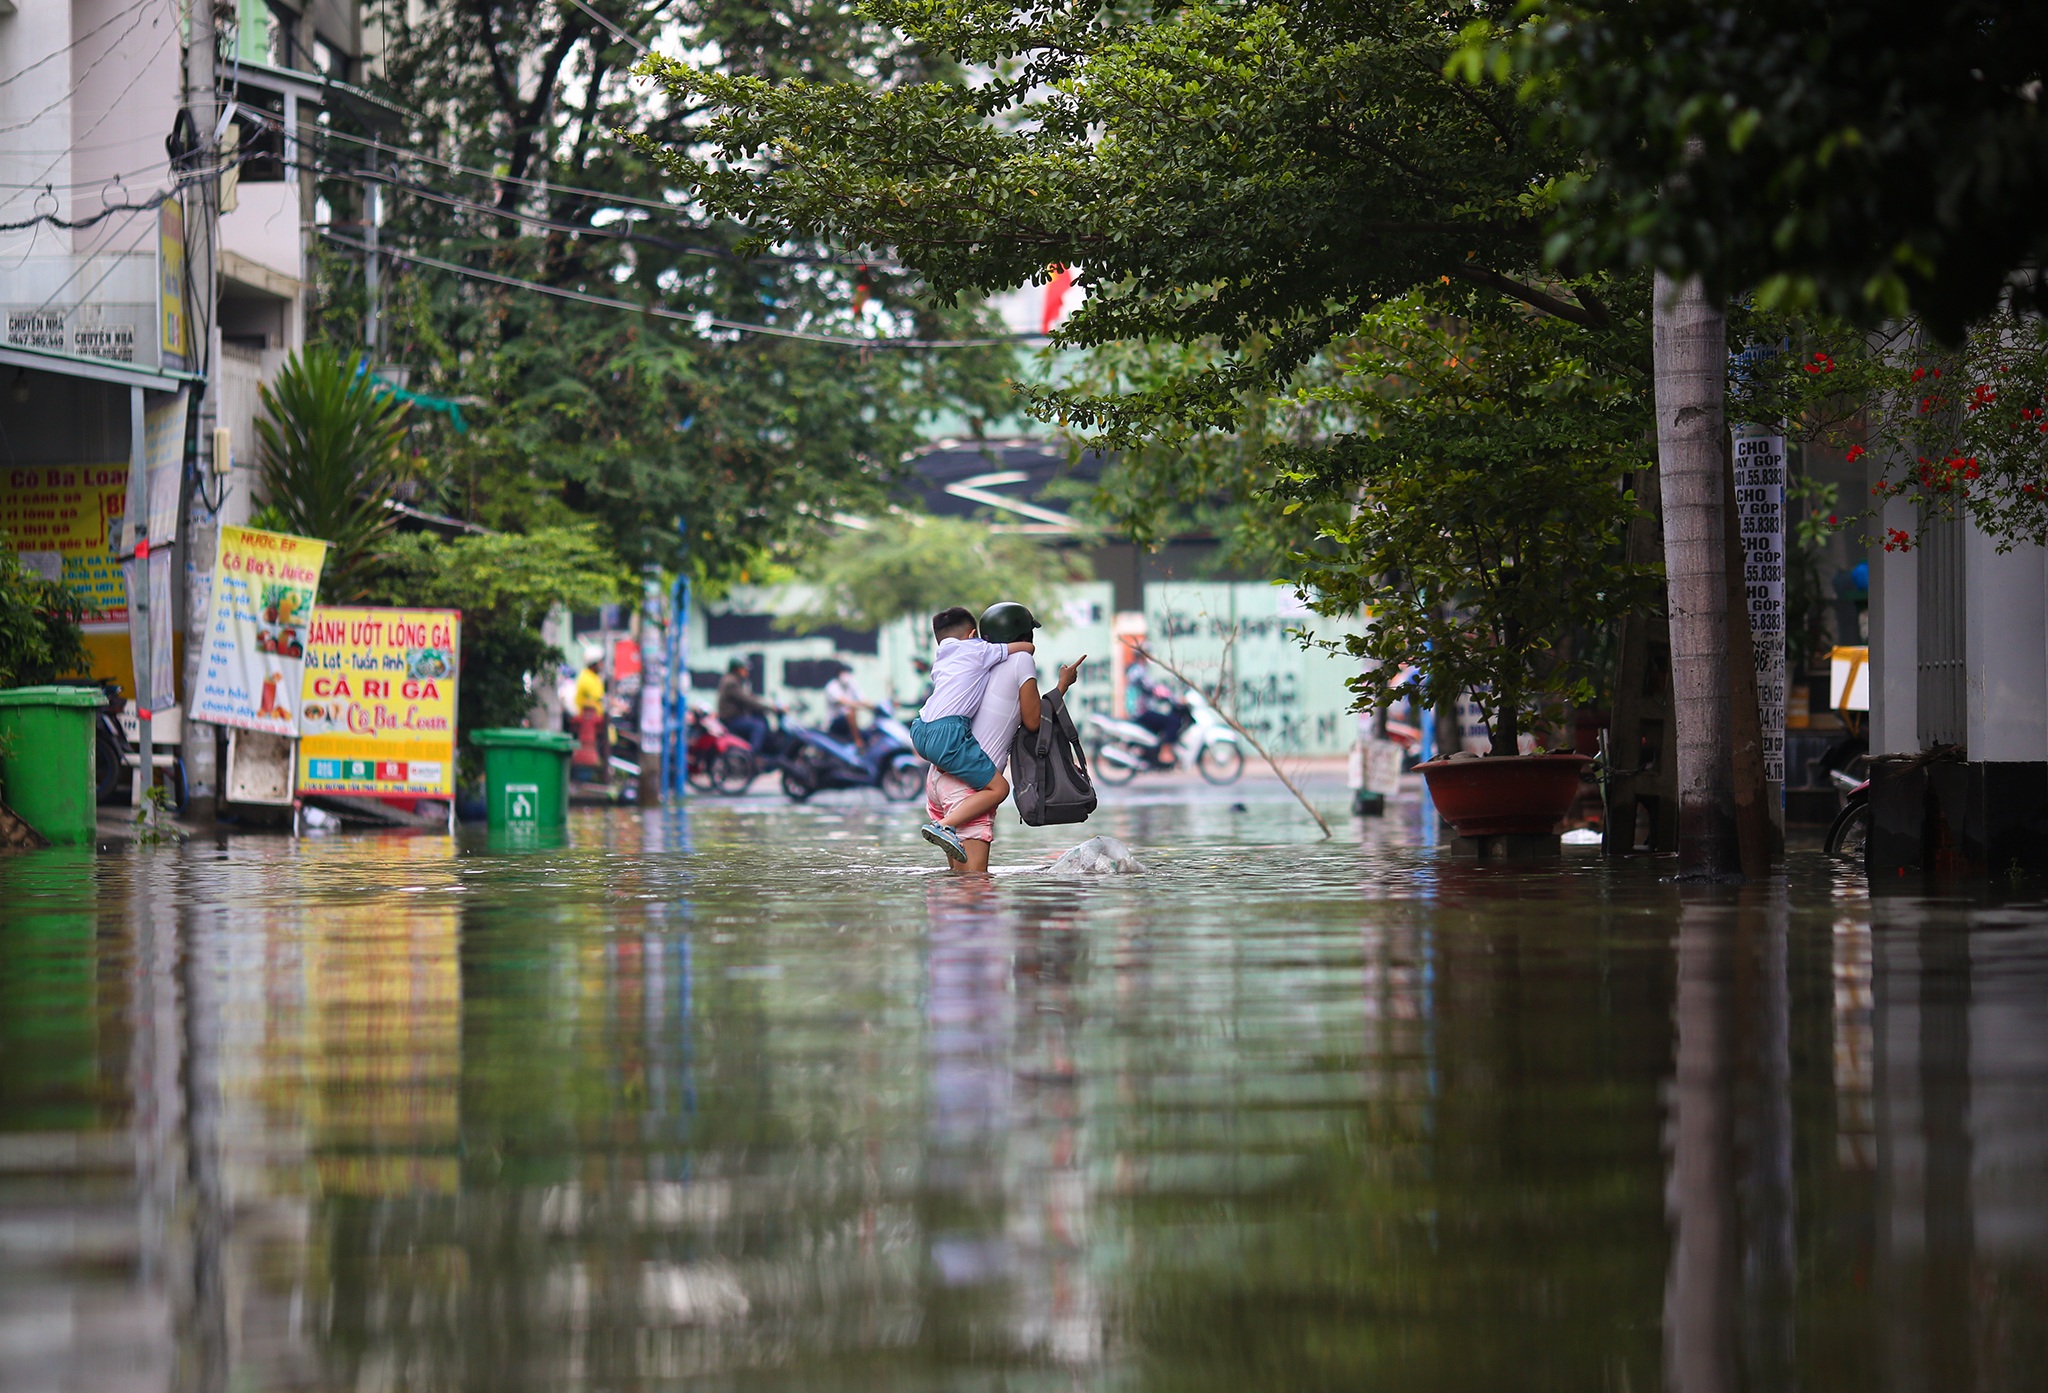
{"type": "Point", "coordinates": [1006, 621]}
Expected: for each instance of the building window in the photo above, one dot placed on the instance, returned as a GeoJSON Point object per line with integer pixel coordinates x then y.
{"type": "Point", "coordinates": [261, 123]}
{"type": "Point", "coordinates": [284, 37]}
{"type": "Point", "coordinates": [329, 60]}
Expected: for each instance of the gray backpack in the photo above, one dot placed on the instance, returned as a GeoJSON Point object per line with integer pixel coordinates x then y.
{"type": "Point", "coordinates": [1047, 769]}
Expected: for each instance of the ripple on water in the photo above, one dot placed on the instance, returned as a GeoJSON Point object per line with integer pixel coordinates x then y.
{"type": "Point", "coordinates": [759, 1096]}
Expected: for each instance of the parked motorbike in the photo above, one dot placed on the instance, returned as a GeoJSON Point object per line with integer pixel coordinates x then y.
{"type": "Point", "coordinates": [811, 760]}
{"type": "Point", "coordinates": [718, 760]}
{"type": "Point", "coordinates": [116, 735]}
{"type": "Point", "coordinates": [1851, 827]}
{"type": "Point", "coordinates": [1197, 739]}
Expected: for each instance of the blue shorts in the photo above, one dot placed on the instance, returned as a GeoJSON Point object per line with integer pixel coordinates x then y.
{"type": "Point", "coordinates": [949, 744]}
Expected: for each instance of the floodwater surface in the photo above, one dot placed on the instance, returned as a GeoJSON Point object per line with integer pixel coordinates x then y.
{"type": "Point", "coordinates": [745, 1098]}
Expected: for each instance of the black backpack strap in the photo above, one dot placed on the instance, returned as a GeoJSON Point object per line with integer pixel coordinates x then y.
{"type": "Point", "coordinates": [1068, 733]}
{"type": "Point", "coordinates": [1048, 715]}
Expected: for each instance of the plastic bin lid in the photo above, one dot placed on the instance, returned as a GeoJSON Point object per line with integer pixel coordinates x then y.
{"type": "Point", "coordinates": [53, 696]}
{"type": "Point", "coordinates": [520, 738]}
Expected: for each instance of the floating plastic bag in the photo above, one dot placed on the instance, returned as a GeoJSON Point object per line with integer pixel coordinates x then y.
{"type": "Point", "coordinates": [1096, 856]}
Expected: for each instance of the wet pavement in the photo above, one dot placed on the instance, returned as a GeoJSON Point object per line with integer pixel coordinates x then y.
{"type": "Point", "coordinates": [746, 1098]}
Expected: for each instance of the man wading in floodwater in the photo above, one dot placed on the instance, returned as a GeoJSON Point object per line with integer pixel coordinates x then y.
{"type": "Point", "coordinates": [1010, 700]}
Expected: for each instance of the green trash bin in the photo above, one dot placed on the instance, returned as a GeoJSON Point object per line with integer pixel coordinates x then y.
{"type": "Point", "coordinates": [46, 774]}
{"type": "Point", "coordinates": [526, 778]}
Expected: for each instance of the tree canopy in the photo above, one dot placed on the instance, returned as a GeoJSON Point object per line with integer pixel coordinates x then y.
{"type": "Point", "coordinates": [1864, 160]}
{"type": "Point", "coordinates": [900, 565]}
{"type": "Point", "coordinates": [1256, 176]}
{"type": "Point", "coordinates": [639, 421]}
{"type": "Point", "coordinates": [1478, 511]}
{"type": "Point", "coordinates": [504, 585]}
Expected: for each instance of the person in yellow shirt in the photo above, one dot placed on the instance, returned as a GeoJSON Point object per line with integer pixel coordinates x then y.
{"type": "Point", "coordinates": [591, 762]}
{"type": "Point", "coordinates": [589, 689]}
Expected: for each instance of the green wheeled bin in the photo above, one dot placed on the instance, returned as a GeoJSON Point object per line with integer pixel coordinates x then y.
{"type": "Point", "coordinates": [526, 778]}
{"type": "Point", "coordinates": [46, 760]}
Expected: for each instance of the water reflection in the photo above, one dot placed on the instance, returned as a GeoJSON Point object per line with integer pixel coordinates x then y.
{"type": "Point", "coordinates": [650, 1108]}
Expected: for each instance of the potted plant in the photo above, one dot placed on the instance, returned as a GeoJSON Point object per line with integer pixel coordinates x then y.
{"type": "Point", "coordinates": [1485, 500]}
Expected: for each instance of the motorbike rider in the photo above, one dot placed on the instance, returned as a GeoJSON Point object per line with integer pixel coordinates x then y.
{"type": "Point", "coordinates": [739, 710]}
{"type": "Point", "coordinates": [1158, 710]}
{"type": "Point", "coordinates": [847, 701]}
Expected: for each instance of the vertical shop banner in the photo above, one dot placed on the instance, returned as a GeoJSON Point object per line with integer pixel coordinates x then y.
{"type": "Point", "coordinates": [262, 606]}
{"type": "Point", "coordinates": [152, 511]}
{"type": "Point", "coordinates": [170, 264]}
{"type": "Point", "coordinates": [377, 702]}
{"type": "Point", "coordinates": [1760, 510]}
{"type": "Point", "coordinates": [163, 453]}
{"type": "Point", "coordinates": [152, 507]}
{"type": "Point", "coordinates": [66, 522]}
{"type": "Point", "coordinates": [161, 690]}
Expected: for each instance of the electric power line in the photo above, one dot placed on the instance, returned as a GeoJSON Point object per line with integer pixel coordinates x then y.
{"type": "Point", "coordinates": [156, 200]}
{"type": "Point", "coordinates": [54, 54]}
{"type": "Point", "coordinates": [662, 312]}
{"type": "Point", "coordinates": [89, 70]}
{"type": "Point", "coordinates": [539, 185]}
{"type": "Point", "coordinates": [454, 200]}
{"type": "Point", "coordinates": [626, 234]}
{"type": "Point", "coordinates": [86, 260]}
{"type": "Point", "coordinates": [621, 35]}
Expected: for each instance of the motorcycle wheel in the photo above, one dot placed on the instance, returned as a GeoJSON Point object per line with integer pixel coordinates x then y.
{"type": "Point", "coordinates": [732, 773]}
{"type": "Point", "coordinates": [1220, 761]}
{"type": "Point", "coordinates": [1110, 771]}
{"type": "Point", "coordinates": [902, 781]}
{"type": "Point", "coordinates": [1849, 831]}
{"type": "Point", "coordinates": [798, 782]}
{"type": "Point", "coordinates": [701, 776]}
{"type": "Point", "coordinates": [109, 774]}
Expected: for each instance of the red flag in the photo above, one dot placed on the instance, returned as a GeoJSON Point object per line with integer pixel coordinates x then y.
{"type": "Point", "coordinates": [1055, 297]}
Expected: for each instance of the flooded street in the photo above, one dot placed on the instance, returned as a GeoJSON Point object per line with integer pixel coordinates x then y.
{"type": "Point", "coordinates": [744, 1097]}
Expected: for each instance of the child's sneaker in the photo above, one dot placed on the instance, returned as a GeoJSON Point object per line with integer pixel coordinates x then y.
{"type": "Point", "coordinates": [945, 838]}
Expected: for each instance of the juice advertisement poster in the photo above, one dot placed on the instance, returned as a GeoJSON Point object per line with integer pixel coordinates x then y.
{"type": "Point", "coordinates": [377, 702]}
{"type": "Point", "coordinates": [264, 584]}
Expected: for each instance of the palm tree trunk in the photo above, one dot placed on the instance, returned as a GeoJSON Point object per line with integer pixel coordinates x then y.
{"type": "Point", "coordinates": [1690, 339]}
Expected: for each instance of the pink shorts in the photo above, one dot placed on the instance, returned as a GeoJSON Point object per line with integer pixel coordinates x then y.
{"type": "Point", "coordinates": [942, 794]}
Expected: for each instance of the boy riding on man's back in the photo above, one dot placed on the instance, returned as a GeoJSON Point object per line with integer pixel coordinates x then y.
{"type": "Point", "coordinates": [962, 811]}
{"type": "Point", "coordinates": [943, 732]}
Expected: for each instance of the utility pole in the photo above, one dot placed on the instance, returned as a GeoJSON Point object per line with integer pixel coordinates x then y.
{"type": "Point", "coordinates": [373, 280]}
{"type": "Point", "coordinates": [653, 687]}
{"type": "Point", "coordinates": [202, 259]}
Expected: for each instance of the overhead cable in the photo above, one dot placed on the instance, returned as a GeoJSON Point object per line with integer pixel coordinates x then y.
{"type": "Point", "coordinates": [54, 54]}
{"type": "Point", "coordinates": [621, 35]}
{"type": "Point", "coordinates": [454, 200]}
{"type": "Point", "coordinates": [90, 68]}
{"type": "Point", "coordinates": [154, 201]}
{"type": "Point", "coordinates": [682, 316]}
{"type": "Point", "coordinates": [539, 185]}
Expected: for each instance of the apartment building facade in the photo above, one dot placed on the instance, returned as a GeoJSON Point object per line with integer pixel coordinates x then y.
{"type": "Point", "coordinates": [154, 205]}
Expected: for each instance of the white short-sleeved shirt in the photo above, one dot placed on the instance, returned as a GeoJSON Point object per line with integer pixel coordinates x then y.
{"type": "Point", "coordinates": [995, 724]}
{"type": "Point", "coordinates": [843, 691]}
{"type": "Point", "coordinates": [960, 673]}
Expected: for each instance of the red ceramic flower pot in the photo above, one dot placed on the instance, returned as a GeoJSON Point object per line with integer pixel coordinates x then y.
{"type": "Point", "coordinates": [1514, 794]}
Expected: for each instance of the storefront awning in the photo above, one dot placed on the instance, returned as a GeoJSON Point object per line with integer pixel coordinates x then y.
{"type": "Point", "coordinates": [95, 369]}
